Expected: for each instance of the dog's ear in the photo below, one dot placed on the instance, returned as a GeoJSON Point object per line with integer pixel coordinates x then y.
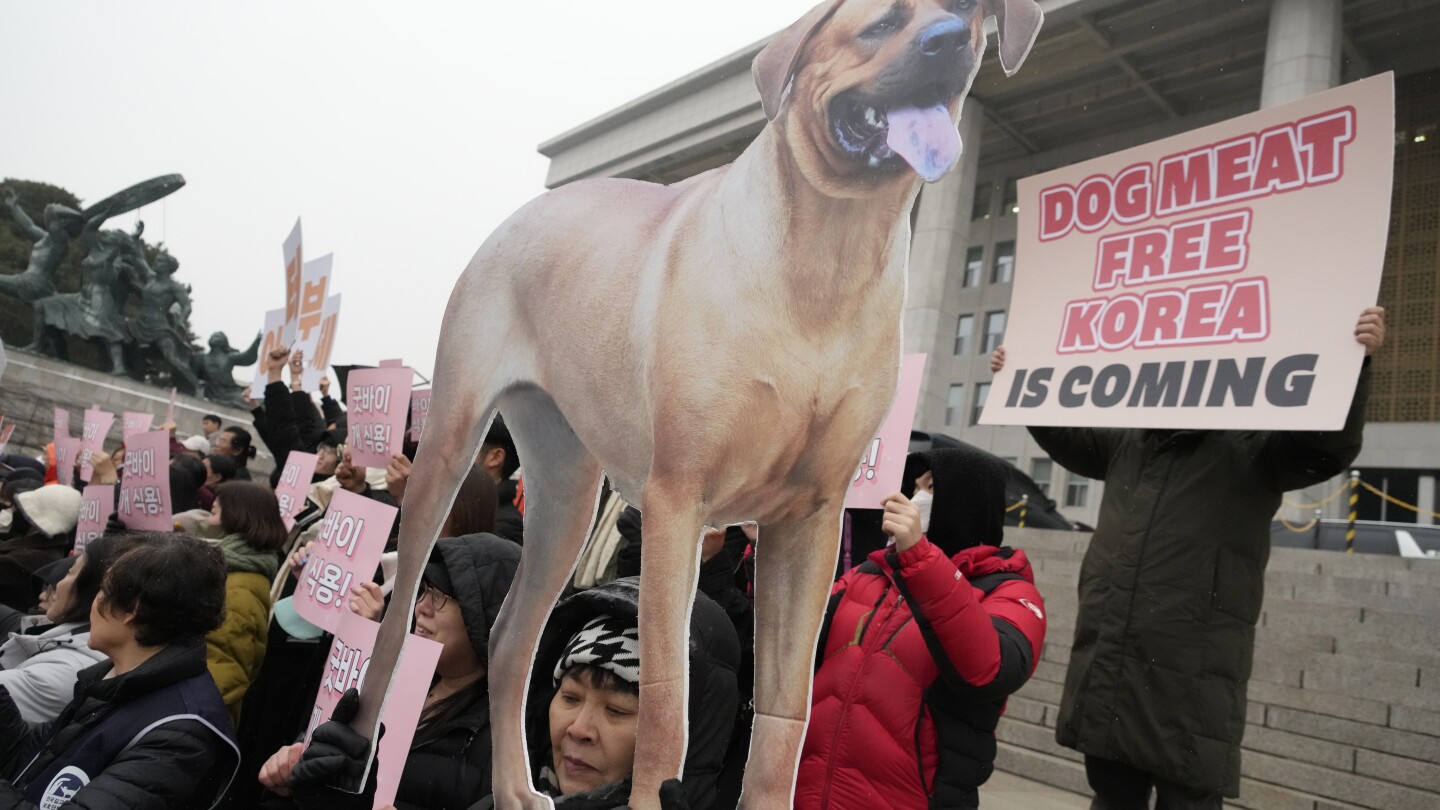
{"type": "Point", "coordinates": [776, 63]}
{"type": "Point", "coordinates": [1018, 22]}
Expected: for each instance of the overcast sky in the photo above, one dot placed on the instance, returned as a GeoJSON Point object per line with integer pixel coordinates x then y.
{"type": "Point", "coordinates": [402, 133]}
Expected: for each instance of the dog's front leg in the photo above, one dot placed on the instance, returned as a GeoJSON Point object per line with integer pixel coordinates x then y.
{"type": "Point", "coordinates": [669, 559]}
{"type": "Point", "coordinates": [794, 568]}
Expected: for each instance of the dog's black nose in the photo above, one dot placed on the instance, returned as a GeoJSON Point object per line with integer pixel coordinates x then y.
{"type": "Point", "coordinates": [943, 38]}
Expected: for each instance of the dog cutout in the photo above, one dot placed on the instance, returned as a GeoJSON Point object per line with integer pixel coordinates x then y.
{"type": "Point", "coordinates": [722, 348]}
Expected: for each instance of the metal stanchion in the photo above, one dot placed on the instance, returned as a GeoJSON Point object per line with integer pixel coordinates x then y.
{"type": "Point", "coordinates": [1354, 500]}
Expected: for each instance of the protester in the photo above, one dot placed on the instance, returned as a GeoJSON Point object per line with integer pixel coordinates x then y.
{"type": "Point", "coordinates": [218, 470]}
{"type": "Point", "coordinates": [14, 485]}
{"type": "Point", "coordinates": [254, 539]}
{"type": "Point", "coordinates": [583, 705]}
{"type": "Point", "coordinates": [210, 426]}
{"type": "Point", "coordinates": [42, 530]}
{"type": "Point", "coordinates": [147, 729]}
{"type": "Point", "coordinates": [354, 479]}
{"type": "Point", "coordinates": [40, 665]}
{"type": "Point", "coordinates": [333, 414]}
{"type": "Point", "coordinates": [327, 456]}
{"type": "Point", "coordinates": [449, 763]}
{"type": "Point", "coordinates": [944, 625]}
{"type": "Point", "coordinates": [197, 446]}
{"type": "Point", "coordinates": [499, 458]}
{"type": "Point", "coordinates": [1176, 569]}
{"type": "Point", "coordinates": [288, 421]}
{"type": "Point", "coordinates": [187, 476]}
{"type": "Point", "coordinates": [237, 443]}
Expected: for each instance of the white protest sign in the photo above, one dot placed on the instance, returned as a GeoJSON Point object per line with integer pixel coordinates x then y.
{"type": "Point", "coordinates": [1209, 280]}
{"type": "Point", "coordinates": [272, 337]}
{"type": "Point", "coordinates": [294, 256]}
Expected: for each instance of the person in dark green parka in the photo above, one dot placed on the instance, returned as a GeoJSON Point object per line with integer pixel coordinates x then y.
{"type": "Point", "coordinates": [1170, 591]}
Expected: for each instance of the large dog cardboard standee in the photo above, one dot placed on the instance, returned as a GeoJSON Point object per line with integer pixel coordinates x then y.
{"type": "Point", "coordinates": [722, 348]}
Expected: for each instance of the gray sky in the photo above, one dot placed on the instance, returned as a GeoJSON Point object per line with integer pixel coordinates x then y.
{"type": "Point", "coordinates": [402, 133]}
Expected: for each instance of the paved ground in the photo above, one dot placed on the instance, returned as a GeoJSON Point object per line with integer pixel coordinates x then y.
{"type": "Point", "coordinates": [1007, 792]}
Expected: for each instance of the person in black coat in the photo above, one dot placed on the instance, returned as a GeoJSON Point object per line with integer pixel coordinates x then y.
{"type": "Point", "coordinates": [449, 761]}
{"type": "Point", "coordinates": [147, 729]}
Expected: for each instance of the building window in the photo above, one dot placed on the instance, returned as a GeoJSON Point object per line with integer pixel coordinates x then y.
{"type": "Point", "coordinates": [994, 331]}
{"type": "Point", "coordinates": [1004, 270]}
{"type": "Point", "coordinates": [982, 392]}
{"type": "Point", "coordinates": [1077, 489]}
{"type": "Point", "coordinates": [984, 193]}
{"type": "Point", "coordinates": [964, 328]}
{"type": "Point", "coordinates": [1041, 470]}
{"type": "Point", "coordinates": [974, 262]}
{"type": "Point", "coordinates": [1010, 198]}
{"type": "Point", "coordinates": [954, 404]}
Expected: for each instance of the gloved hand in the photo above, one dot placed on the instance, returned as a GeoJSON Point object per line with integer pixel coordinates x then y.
{"type": "Point", "coordinates": [334, 762]}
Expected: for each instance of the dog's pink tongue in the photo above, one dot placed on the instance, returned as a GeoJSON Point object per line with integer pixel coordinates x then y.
{"type": "Point", "coordinates": [926, 139]}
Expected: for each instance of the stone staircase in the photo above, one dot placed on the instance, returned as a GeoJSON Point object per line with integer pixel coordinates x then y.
{"type": "Point", "coordinates": [1344, 708]}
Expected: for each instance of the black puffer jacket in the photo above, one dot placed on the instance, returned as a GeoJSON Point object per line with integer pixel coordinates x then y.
{"type": "Point", "coordinates": [714, 696]}
{"type": "Point", "coordinates": [171, 766]}
{"type": "Point", "coordinates": [449, 762]}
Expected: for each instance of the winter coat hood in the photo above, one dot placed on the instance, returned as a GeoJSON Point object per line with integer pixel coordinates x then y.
{"type": "Point", "coordinates": [969, 505]}
{"type": "Point", "coordinates": [714, 693]}
{"type": "Point", "coordinates": [477, 569]}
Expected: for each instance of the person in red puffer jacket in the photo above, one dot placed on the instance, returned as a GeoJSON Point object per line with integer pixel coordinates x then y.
{"type": "Point", "coordinates": [921, 646]}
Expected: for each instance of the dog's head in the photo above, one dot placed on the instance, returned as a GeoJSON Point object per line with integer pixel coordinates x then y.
{"type": "Point", "coordinates": [865, 88]}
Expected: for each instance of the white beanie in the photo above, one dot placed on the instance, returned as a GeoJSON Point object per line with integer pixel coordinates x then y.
{"type": "Point", "coordinates": [54, 509]}
{"type": "Point", "coordinates": [197, 444]}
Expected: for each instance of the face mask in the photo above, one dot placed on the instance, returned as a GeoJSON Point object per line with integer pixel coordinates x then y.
{"type": "Point", "coordinates": [923, 500]}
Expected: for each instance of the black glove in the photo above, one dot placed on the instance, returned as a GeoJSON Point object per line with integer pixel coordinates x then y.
{"type": "Point", "coordinates": [334, 761]}
{"type": "Point", "coordinates": [672, 796]}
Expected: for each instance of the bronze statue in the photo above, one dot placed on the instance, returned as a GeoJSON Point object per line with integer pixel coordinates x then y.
{"type": "Point", "coordinates": [96, 312]}
{"type": "Point", "coordinates": [217, 369]}
{"type": "Point", "coordinates": [62, 224]}
{"type": "Point", "coordinates": [164, 313]}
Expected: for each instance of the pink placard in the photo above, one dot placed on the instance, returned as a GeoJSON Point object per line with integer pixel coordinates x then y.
{"type": "Point", "coordinates": [132, 423]}
{"type": "Point", "coordinates": [5, 433]}
{"type": "Point", "coordinates": [345, 554]}
{"type": "Point", "coordinates": [62, 423]}
{"type": "Point", "coordinates": [396, 363]}
{"type": "Point", "coordinates": [170, 411]}
{"type": "Point", "coordinates": [67, 449]}
{"type": "Point", "coordinates": [883, 464]}
{"type": "Point", "coordinates": [346, 666]}
{"type": "Point", "coordinates": [419, 411]}
{"type": "Point", "coordinates": [92, 438]}
{"type": "Point", "coordinates": [96, 504]}
{"type": "Point", "coordinates": [377, 403]}
{"type": "Point", "coordinates": [294, 485]}
{"type": "Point", "coordinates": [1211, 280]}
{"type": "Point", "coordinates": [145, 487]}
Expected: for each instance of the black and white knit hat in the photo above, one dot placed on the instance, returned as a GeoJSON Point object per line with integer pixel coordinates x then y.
{"type": "Point", "coordinates": [606, 642]}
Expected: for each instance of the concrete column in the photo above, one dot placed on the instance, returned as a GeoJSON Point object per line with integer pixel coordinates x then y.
{"type": "Point", "coordinates": [1426, 501]}
{"type": "Point", "coordinates": [1303, 52]}
{"type": "Point", "coordinates": [942, 230]}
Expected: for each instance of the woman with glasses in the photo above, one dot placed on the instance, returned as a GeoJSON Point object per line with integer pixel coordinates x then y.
{"type": "Point", "coordinates": [449, 764]}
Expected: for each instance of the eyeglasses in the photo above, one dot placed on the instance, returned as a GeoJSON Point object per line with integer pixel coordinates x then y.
{"type": "Point", "coordinates": [438, 598]}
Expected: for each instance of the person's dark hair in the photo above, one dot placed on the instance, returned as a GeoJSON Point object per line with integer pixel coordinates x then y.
{"type": "Point", "coordinates": [499, 436]}
{"type": "Point", "coordinates": [20, 484]}
{"type": "Point", "coordinates": [223, 466]}
{"type": "Point", "coordinates": [600, 678]}
{"type": "Point", "coordinates": [175, 586]}
{"type": "Point", "coordinates": [240, 440]}
{"type": "Point", "coordinates": [210, 417]}
{"type": "Point", "coordinates": [474, 509]}
{"type": "Point", "coordinates": [187, 475]}
{"type": "Point", "coordinates": [99, 555]}
{"type": "Point", "coordinates": [251, 511]}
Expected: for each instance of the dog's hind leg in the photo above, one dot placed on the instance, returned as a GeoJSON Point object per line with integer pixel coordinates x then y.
{"type": "Point", "coordinates": [794, 566]}
{"type": "Point", "coordinates": [562, 484]}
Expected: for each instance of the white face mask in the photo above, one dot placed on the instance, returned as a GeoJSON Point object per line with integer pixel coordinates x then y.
{"type": "Point", "coordinates": [923, 500]}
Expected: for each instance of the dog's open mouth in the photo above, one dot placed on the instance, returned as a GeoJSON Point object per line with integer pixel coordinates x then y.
{"type": "Point", "coordinates": [887, 137]}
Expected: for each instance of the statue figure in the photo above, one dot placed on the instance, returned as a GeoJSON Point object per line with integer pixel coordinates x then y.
{"type": "Point", "coordinates": [164, 313]}
{"type": "Point", "coordinates": [96, 312]}
{"type": "Point", "coordinates": [217, 369]}
{"type": "Point", "coordinates": [62, 224]}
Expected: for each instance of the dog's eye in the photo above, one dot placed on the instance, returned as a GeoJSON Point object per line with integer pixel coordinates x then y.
{"type": "Point", "coordinates": [886, 25]}
{"type": "Point", "coordinates": [965, 5]}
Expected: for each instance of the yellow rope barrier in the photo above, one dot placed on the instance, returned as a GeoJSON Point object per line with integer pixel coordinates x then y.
{"type": "Point", "coordinates": [1398, 502]}
{"type": "Point", "coordinates": [1298, 529]}
{"type": "Point", "coordinates": [1328, 498]}
{"type": "Point", "coordinates": [1012, 507]}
